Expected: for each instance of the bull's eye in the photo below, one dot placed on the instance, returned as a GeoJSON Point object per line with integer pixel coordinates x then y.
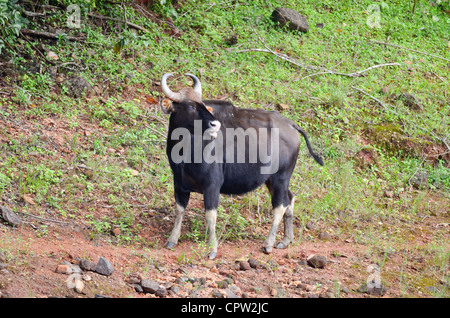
{"type": "Point", "coordinates": [191, 108]}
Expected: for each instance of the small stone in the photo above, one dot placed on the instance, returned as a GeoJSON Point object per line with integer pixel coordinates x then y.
{"type": "Point", "coordinates": [149, 286]}
{"type": "Point", "coordinates": [138, 288]}
{"type": "Point", "coordinates": [134, 278]}
{"type": "Point", "coordinates": [223, 283]}
{"type": "Point", "coordinates": [104, 267]}
{"type": "Point", "coordinates": [79, 286]}
{"type": "Point", "coordinates": [175, 289]}
{"type": "Point", "coordinates": [302, 262]}
{"type": "Point", "coordinates": [253, 263]}
{"type": "Point", "coordinates": [217, 294]}
{"type": "Point", "coordinates": [281, 106]}
{"type": "Point", "coordinates": [86, 278]}
{"type": "Point", "coordinates": [374, 291]}
{"type": "Point", "coordinates": [9, 216]}
{"type": "Point", "coordinates": [62, 269]}
{"type": "Point", "coordinates": [87, 265]}
{"type": "Point", "coordinates": [116, 231]}
{"type": "Point", "coordinates": [68, 269]}
{"type": "Point", "coordinates": [244, 266]}
{"type": "Point", "coordinates": [317, 261]}
{"type": "Point", "coordinates": [419, 180]}
{"type": "Point", "coordinates": [230, 293]}
{"type": "Point", "coordinates": [310, 226]}
{"type": "Point", "coordinates": [161, 291]}
{"type": "Point", "coordinates": [324, 236]}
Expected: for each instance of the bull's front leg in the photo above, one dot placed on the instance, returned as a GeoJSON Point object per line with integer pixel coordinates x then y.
{"type": "Point", "coordinates": [211, 199]}
{"type": "Point", "coordinates": [182, 199]}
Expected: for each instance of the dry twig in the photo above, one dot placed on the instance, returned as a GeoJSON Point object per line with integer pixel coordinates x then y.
{"type": "Point", "coordinates": [405, 48]}
{"type": "Point", "coordinates": [134, 26]}
{"type": "Point", "coordinates": [322, 70]}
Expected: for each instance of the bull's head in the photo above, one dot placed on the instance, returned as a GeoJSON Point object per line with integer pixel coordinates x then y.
{"type": "Point", "coordinates": [186, 106]}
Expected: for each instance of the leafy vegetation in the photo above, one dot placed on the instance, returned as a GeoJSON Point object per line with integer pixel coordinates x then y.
{"type": "Point", "coordinates": [95, 153]}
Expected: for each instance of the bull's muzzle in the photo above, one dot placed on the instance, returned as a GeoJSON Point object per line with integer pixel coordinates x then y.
{"type": "Point", "coordinates": [214, 127]}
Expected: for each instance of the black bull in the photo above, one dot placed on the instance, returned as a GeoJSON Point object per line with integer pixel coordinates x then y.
{"type": "Point", "coordinates": [214, 147]}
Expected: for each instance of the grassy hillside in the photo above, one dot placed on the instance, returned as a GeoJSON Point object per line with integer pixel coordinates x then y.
{"type": "Point", "coordinates": [82, 137]}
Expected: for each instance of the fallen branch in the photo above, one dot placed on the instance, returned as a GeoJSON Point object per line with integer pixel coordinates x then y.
{"type": "Point", "coordinates": [134, 26]}
{"type": "Point", "coordinates": [48, 35]}
{"type": "Point", "coordinates": [405, 48]}
{"type": "Point", "coordinates": [37, 50]}
{"type": "Point", "coordinates": [322, 70]}
{"type": "Point", "coordinates": [45, 220]}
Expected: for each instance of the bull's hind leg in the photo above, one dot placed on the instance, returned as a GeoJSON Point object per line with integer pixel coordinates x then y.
{"type": "Point", "coordinates": [280, 203]}
{"type": "Point", "coordinates": [288, 224]}
{"type": "Point", "coordinates": [182, 199]}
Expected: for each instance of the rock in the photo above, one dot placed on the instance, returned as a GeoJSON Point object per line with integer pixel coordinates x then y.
{"type": "Point", "coordinates": [290, 18]}
{"type": "Point", "coordinates": [317, 261]}
{"type": "Point", "coordinates": [302, 262]}
{"type": "Point", "coordinates": [419, 180]}
{"type": "Point", "coordinates": [244, 266]}
{"type": "Point", "coordinates": [224, 283]}
{"type": "Point", "coordinates": [324, 236]}
{"type": "Point", "coordinates": [149, 286]}
{"type": "Point", "coordinates": [175, 289]}
{"type": "Point", "coordinates": [230, 294]}
{"type": "Point", "coordinates": [104, 267]}
{"type": "Point", "coordinates": [161, 291]}
{"type": "Point", "coordinates": [134, 278]}
{"type": "Point", "coordinates": [68, 269]}
{"type": "Point", "coordinates": [138, 288]}
{"type": "Point", "coordinates": [253, 263]}
{"type": "Point", "coordinates": [217, 294]}
{"type": "Point", "coordinates": [281, 106]}
{"type": "Point", "coordinates": [310, 226]}
{"type": "Point", "coordinates": [87, 265]}
{"type": "Point", "coordinates": [77, 86]}
{"type": "Point", "coordinates": [374, 291]}
{"type": "Point", "coordinates": [79, 286]}
{"type": "Point", "coordinates": [9, 216]}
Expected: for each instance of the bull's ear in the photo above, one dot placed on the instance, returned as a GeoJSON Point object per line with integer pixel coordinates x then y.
{"type": "Point", "coordinates": [166, 106]}
{"type": "Point", "coordinates": [210, 109]}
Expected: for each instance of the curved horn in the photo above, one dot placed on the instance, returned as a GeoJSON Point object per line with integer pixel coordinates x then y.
{"type": "Point", "coordinates": [197, 84]}
{"type": "Point", "coordinates": [176, 97]}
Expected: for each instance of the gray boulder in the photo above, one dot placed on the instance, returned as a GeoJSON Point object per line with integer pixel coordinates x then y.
{"type": "Point", "coordinates": [9, 216]}
{"type": "Point", "coordinates": [290, 18]}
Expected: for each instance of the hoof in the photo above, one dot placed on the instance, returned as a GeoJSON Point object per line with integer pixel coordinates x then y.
{"type": "Point", "coordinates": [267, 250]}
{"type": "Point", "coordinates": [212, 255]}
{"type": "Point", "coordinates": [281, 245]}
{"type": "Point", "coordinates": [170, 245]}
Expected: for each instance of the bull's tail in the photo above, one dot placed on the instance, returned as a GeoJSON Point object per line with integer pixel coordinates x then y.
{"type": "Point", "coordinates": [311, 152]}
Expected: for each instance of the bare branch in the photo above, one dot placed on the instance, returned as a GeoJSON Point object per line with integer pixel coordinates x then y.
{"type": "Point", "coordinates": [405, 48]}
{"type": "Point", "coordinates": [134, 26]}
{"type": "Point", "coordinates": [322, 70]}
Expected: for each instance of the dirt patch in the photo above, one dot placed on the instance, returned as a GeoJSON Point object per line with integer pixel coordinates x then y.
{"type": "Point", "coordinates": [30, 260]}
